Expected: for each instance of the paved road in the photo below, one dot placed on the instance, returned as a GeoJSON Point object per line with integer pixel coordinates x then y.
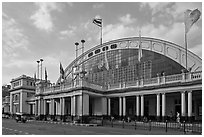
{"type": "Point", "coordinates": [10, 127]}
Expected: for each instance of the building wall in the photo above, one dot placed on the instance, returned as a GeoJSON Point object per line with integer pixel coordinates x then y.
{"type": "Point", "coordinates": [97, 106]}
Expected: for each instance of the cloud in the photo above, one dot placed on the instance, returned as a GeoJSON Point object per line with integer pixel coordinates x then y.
{"type": "Point", "coordinates": [13, 39]}
{"type": "Point", "coordinates": [68, 33]}
{"type": "Point", "coordinates": [98, 6]}
{"type": "Point", "coordinates": [70, 4]}
{"type": "Point", "coordinates": [42, 17]}
{"type": "Point", "coordinates": [115, 31]}
{"type": "Point", "coordinates": [126, 20]}
{"type": "Point", "coordinates": [173, 33]}
{"type": "Point", "coordinates": [170, 10]}
{"type": "Point", "coordinates": [120, 29]}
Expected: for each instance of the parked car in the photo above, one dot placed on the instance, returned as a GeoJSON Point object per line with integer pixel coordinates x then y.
{"type": "Point", "coordinates": [21, 117]}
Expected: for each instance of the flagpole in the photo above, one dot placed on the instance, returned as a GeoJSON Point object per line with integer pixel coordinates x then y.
{"type": "Point", "coordinates": [101, 31]}
{"type": "Point", "coordinates": [186, 50]}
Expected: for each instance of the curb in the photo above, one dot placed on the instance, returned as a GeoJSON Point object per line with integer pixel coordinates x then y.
{"type": "Point", "coordinates": [64, 123]}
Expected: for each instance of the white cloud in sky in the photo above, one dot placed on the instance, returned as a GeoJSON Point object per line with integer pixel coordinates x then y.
{"type": "Point", "coordinates": [98, 6]}
{"type": "Point", "coordinates": [42, 17]}
{"type": "Point", "coordinates": [173, 33]}
{"type": "Point", "coordinates": [126, 20]}
{"type": "Point", "coordinates": [70, 4]}
{"type": "Point", "coordinates": [68, 33]}
{"type": "Point", "coordinates": [13, 39]}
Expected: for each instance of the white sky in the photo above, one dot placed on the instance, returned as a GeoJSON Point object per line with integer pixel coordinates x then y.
{"type": "Point", "coordinates": [31, 31]}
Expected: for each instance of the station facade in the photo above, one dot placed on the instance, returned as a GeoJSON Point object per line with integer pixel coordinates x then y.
{"type": "Point", "coordinates": [113, 80]}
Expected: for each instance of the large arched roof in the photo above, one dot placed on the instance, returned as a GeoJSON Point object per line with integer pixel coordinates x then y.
{"type": "Point", "coordinates": [168, 49]}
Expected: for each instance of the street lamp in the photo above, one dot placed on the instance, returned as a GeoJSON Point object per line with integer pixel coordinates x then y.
{"type": "Point", "coordinates": [38, 69]}
{"type": "Point", "coordinates": [41, 60]}
{"type": "Point", "coordinates": [77, 44]}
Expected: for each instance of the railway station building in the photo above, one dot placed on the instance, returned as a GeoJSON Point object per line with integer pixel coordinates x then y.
{"type": "Point", "coordinates": [130, 77]}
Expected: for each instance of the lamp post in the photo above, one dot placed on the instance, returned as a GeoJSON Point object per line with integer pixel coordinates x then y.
{"type": "Point", "coordinates": [77, 44]}
{"type": "Point", "coordinates": [41, 60]}
{"type": "Point", "coordinates": [38, 70]}
{"type": "Point", "coordinates": [82, 41]}
{"type": "Point", "coordinates": [83, 72]}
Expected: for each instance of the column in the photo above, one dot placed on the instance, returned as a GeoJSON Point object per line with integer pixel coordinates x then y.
{"type": "Point", "coordinates": [142, 105]}
{"type": "Point", "coordinates": [63, 106]}
{"type": "Point", "coordinates": [60, 107]}
{"type": "Point", "coordinates": [73, 105]}
{"type": "Point", "coordinates": [11, 103]}
{"type": "Point", "coordinates": [104, 106]}
{"type": "Point", "coordinates": [158, 105]}
{"type": "Point", "coordinates": [44, 108]}
{"type": "Point", "coordinates": [36, 107]}
{"type": "Point", "coordinates": [190, 106]}
{"type": "Point", "coordinates": [189, 103]}
{"type": "Point", "coordinates": [183, 104]}
{"type": "Point", "coordinates": [109, 106]}
{"type": "Point", "coordinates": [39, 110]}
{"type": "Point", "coordinates": [163, 105]}
{"type": "Point", "coordinates": [137, 106]}
{"type": "Point", "coordinates": [80, 113]}
{"type": "Point", "coordinates": [124, 106]}
{"type": "Point", "coordinates": [52, 108]}
{"type": "Point", "coordinates": [120, 106]}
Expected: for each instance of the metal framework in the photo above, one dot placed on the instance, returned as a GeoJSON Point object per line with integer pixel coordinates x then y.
{"type": "Point", "coordinates": [168, 49]}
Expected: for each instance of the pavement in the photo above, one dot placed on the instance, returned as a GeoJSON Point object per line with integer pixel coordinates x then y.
{"type": "Point", "coordinates": [11, 127]}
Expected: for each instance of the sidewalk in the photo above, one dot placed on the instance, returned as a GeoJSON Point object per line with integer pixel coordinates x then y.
{"type": "Point", "coordinates": [144, 130]}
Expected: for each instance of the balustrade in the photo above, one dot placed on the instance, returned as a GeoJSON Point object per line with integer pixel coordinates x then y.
{"type": "Point", "coordinates": [137, 83]}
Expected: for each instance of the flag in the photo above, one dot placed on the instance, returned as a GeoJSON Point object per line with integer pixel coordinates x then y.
{"type": "Point", "coordinates": [190, 17]}
{"type": "Point", "coordinates": [61, 71]}
{"type": "Point", "coordinates": [98, 22]}
{"type": "Point", "coordinates": [140, 48]}
{"type": "Point", "coordinates": [45, 75]}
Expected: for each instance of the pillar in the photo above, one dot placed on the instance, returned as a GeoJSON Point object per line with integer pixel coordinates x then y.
{"type": "Point", "coordinates": [73, 105]}
{"type": "Point", "coordinates": [109, 107]}
{"type": "Point", "coordinates": [62, 108]}
{"type": "Point", "coordinates": [104, 106]}
{"type": "Point", "coordinates": [137, 107]}
{"type": "Point", "coordinates": [158, 106]}
{"type": "Point", "coordinates": [80, 113]}
{"type": "Point", "coordinates": [189, 105]}
{"type": "Point", "coordinates": [124, 106]}
{"type": "Point", "coordinates": [44, 109]}
{"type": "Point", "coordinates": [52, 109]}
{"type": "Point", "coordinates": [142, 105]}
{"type": "Point", "coordinates": [120, 106]}
{"type": "Point", "coordinates": [163, 106]}
{"type": "Point", "coordinates": [36, 107]}
{"type": "Point", "coordinates": [11, 103]}
{"type": "Point", "coordinates": [183, 106]}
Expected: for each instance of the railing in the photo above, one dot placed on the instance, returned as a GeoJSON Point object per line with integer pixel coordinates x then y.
{"type": "Point", "coordinates": [173, 78]}
{"type": "Point", "coordinates": [183, 77]}
{"type": "Point", "coordinates": [163, 127]}
{"type": "Point", "coordinates": [196, 75]}
{"type": "Point", "coordinates": [151, 81]}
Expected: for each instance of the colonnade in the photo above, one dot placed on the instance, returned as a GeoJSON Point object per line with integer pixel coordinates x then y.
{"type": "Point", "coordinates": [79, 105]}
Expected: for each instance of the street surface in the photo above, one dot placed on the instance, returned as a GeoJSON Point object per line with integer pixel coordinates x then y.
{"type": "Point", "coordinates": [10, 127]}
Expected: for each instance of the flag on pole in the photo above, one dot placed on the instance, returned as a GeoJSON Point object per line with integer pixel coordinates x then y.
{"type": "Point", "coordinates": [61, 71]}
{"type": "Point", "coordinates": [190, 17]}
{"type": "Point", "coordinates": [45, 75]}
{"type": "Point", "coordinates": [98, 22]}
{"type": "Point", "coordinates": [140, 48]}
